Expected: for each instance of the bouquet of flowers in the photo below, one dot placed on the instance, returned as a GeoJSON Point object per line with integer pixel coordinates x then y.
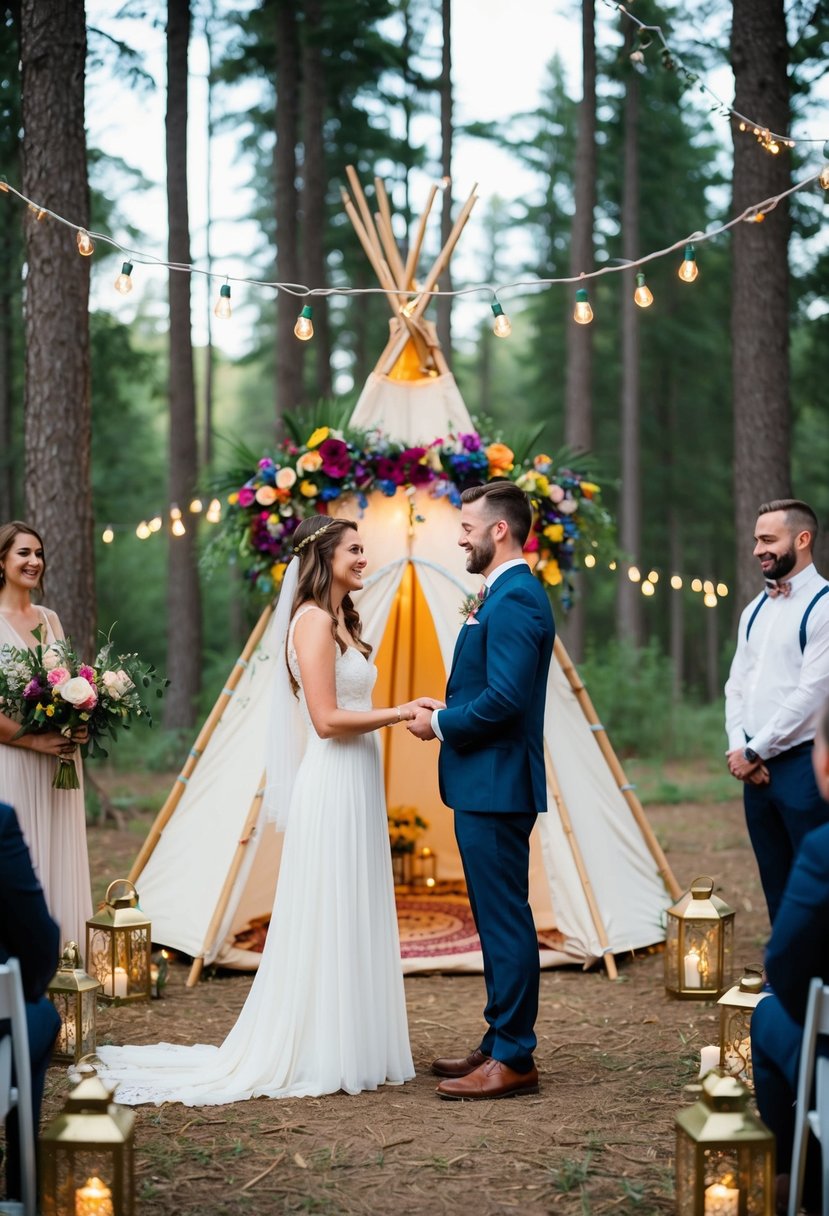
{"type": "Point", "coordinates": [47, 687]}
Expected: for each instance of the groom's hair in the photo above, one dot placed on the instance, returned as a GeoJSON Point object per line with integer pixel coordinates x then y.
{"type": "Point", "coordinates": [504, 500]}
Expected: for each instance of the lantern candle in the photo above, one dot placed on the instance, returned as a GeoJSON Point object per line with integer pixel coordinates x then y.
{"type": "Point", "coordinates": [721, 1200]}
{"type": "Point", "coordinates": [116, 986]}
{"type": "Point", "coordinates": [693, 978]}
{"type": "Point", "coordinates": [93, 1199]}
{"type": "Point", "coordinates": [154, 981]}
{"type": "Point", "coordinates": [709, 1057]}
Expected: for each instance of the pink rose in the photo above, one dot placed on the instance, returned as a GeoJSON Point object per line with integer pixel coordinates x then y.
{"type": "Point", "coordinates": [58, 676]}
{"type": "Point", "coordinates": [246, 496]}
{"type": "Point", "coordinates": [556, 493]}
{"type": "Point", "coordinates": [88, 673]}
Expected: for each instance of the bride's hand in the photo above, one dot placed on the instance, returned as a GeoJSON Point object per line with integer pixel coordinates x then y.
{"type": "Point", "coordinates": [50, 743]}
{"type": "Point", "coordinates": [429, 703]}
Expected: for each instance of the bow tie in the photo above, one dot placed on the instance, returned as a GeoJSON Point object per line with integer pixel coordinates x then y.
{"type": "Point", "coordinates": [781, 587]}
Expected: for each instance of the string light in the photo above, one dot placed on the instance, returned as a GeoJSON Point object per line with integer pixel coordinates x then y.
{"type": "Point", "coordinates": [722, 590]}
{"type": "Point", "coordinates": [582, 313]}
{"type": "Point", "coordinates": [223, 310]}
{"type": "Point", "coordinates": [108, 534]}
{"type": "Point", "coordinates": [653, 576]}
{"type": "Point", "coordinates": [156, 523]}
{"type": "Point", "coordinates": [177, 523]}
{"type": "Point", "coordinates": [634, 574]}
{"type": "Point", "coordinates": [196, 505]}
{"type": "Point", "coordinates": [143, 530]}
{"type": "Point", "coordinates": [213, 514]}
{"type": "Point", "coordinates": [643, 294]}
{"type": "Point", "coordinates": [710, 600]}
{"type": "Point", "coordinates": [676, 582]}
{"type": "Point", "coordinates": [304, 328]}
{"type": "Point", "coordinates": [824, 177]}
{"type": "Point", "coordinates": [648, 589]}
{"type": "Point", "coordinates": [688, 269]}
{"type": "Point", "coordinates": [123, 283]}
{"type": "Point", "coordinates": [589, 560]}
{"type": "Point", "coordinates": [85, 244]}
{"type": "Point", "coordinates": [696, 584]}
{"type": "Point", "coordinates": [503, 326]}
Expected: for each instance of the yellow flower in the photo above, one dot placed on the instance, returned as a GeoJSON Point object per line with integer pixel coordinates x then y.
{"type": "Point", "coordinates": [309, 462]}
{"type": "Point", "coordinates": [308, 489]}
{"type": "Point", "coordinates": [233, 498]}
{"type": "Point", "coordinates": [50, 711]}
{"type": "Point", "coordinates": [542, 485]}
{"type": "Point", "coordinates": [527, 481]}
{"type": "Point", "coordinates": [589, 488]}
{"type": "Point", "coordinates": [542, 462]}
{"type": "Point", "coordinates": [316, 439]}
{"type": "Point", "coordinates": [554, 532]}
{"type": "Point", "coordinates": [278, 572]}
{"type": "Point", "coordinates": [501, 458]}
{"type": "Point", "coordinates": [551, 572]}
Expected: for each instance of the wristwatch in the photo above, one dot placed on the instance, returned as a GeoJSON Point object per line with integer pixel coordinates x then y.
{"type": "Point", "coordinates": [751, 755]}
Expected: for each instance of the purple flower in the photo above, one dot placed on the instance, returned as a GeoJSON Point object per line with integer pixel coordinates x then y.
{"type": "Point", "coordinates": [335, 458]}
{"type": "Point", "coordinates": [471, 443]}
{"type": "Point", "coordinates": [389, 470]}
{"type": "Point", "coordinates": [32, 690]}
{"type": "Point", "coordinates": [415, 473]}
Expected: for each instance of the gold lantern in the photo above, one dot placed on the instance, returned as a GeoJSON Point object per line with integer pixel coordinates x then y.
{"type": "Point", "coordinates": [736, 1007]}
{"type": "Point", "coordinates": [699, 943]}
{"type": "Point", "coordinates": [724, 1154]}
{"type": "Point", "coordinates": [425, 868]}
{"type": "Point", "coordinates": [118, 945]}
{"type": "Point", "coordinates": [87, 1156]}
{"type": "Point", "coordinates": [75, 996]}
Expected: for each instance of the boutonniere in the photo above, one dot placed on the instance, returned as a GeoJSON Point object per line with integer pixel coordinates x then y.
{"type": "Point", "coordinates": [471, 604]}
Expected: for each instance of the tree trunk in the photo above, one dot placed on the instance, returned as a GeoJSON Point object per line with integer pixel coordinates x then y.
{"type": "Point", "coordinates": [760, 288]}
{"type": "Point", "coordinates": [629, 617]}
{"type": "Point", "coordinates": [288, 349]}
{"type": "Point", "coordinates": [58, 426]}
{"type": "Point", "coordinates": [9, 285]}
{"type": "Point", "coordinates": [314, 186]}
{"type": "Point", "coordinates": [209, 361]}
{"type": "Point", "coordinates": [444, 305]}
{"type": "Point", "coordinates": [578, 393]}
{"type": "Point", "coordinates": [183, 592]}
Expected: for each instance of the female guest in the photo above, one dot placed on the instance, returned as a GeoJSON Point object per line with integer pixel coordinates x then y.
{"type": "Point", "coordinates": [53, 821]}
{"type": "Point", "coordinates": [326, 1011]}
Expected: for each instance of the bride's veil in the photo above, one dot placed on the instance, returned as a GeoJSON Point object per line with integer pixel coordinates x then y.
{"type": "Point", "coordinates": [286, 734]}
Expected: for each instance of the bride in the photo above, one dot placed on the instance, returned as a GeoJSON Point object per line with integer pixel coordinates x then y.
{"type": "Point", "coordinates": [326, 1010]}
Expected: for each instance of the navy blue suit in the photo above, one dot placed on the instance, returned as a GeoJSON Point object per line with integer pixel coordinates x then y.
{"type": "Point", "coordinates": [798, 951]}
{"type": "Point", "coordinates": [27, 933]}
{"type": "Point", "coordinates": [492, 773]}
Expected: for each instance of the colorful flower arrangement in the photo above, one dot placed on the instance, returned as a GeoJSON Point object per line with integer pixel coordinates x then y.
{"type": "Point", "coordinates": [48, 688]}
{"type": "Point", "coordinates": [405, 826]}
{"type": "Point", "coordinates": [302, 479]}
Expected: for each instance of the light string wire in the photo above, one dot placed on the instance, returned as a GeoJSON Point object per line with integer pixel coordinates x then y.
{"type": "Point", "coordinates": [301, 291]}
{"type": "Point", "coordinates": [693, 77]}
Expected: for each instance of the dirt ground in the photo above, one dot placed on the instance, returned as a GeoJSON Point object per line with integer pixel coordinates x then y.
{"type": "Point", "coordinates": [614, 1058]}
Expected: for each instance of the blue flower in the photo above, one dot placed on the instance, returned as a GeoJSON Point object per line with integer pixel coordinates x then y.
{"type": "Point", "coordinates": [389, 488]}
{"type": "Point", "coordinates": [330, 492]}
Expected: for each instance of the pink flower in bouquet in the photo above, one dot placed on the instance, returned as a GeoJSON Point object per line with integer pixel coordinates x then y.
{"type": "Point", "coordinates": [116, 683]}
{"type": "Point", "coordinates": [87, 672]}
{"type": "Point", "coordinates": [58, 676]}
{"type": "Point", "coordinates": [246, 496]}
{"type": "Point", "coordinates": [556, 493]}
{"type": "Point", "coordinates": [335, 458]}
{"type": "Point", "coordinates": [51, 658]}
{"type": "Point", "coordinates": [79, 692]}
{"type": "Point", "coordinates": [266, 495]}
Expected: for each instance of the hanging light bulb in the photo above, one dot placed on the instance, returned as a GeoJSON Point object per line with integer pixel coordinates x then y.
{"type": "Point", "coordinates": [124, 283]}
{"type": "Point", "coordinates": [155, 523]}
{"type": "Point", "coordinates": [4, 185]}
{"type": "Point", "coordinates": [502, 327]}
{"type": "Point", "coordinates": [143, 530]}
{"type": "Point", "coordinates": [582, 313]}
{"type": "Point", "coordinates": [177, 523]}
{"type": "Point", "coordinates": [223, 310]}
{"type": "Point", "coordinates": [710, 600]}
{"type": "Point", "coordinates": [824, 177]}
{"type": "Point", "coordinates": [589, 560]}
{"type": "Point", "coordinates": [653, 577]}
{"type": "Point", "coordinates": [696, 584]}
{"type": "Point", "coordinates": [304, 328]}
{"type": "Point", "coordinates": [648, 588]}
{"type": "Point", "coordinates": [689, 270]}
{"type": "Point", "coordinates": [722, 590]}
{"type": "Point", "coordinates": [643, 295]}
{"type": "Point", "coordinates": [85, 245]}
{"type": "Point", "coordinates": [634, 574]}
{"type": "Point", "coordinates": [196, 505]}
{"type": "Point", "coordinates": [213, 514]}
{"type": "Point", "coordinates": [676, 582]}
{"type": "Point", "coordinates": [108, 535]}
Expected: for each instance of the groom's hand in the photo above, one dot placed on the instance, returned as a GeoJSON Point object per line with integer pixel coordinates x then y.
{"type": "Point", "coordinates": [421, 724]}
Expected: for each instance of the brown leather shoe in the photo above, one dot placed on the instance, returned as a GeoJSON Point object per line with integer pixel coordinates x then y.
{"type": "Point", "coordinates": [459, 1068]}
{"type": "Point", "coordinates": [491, 1080]}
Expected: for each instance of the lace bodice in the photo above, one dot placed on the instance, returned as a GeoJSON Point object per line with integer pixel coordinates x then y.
{"type": "Point", "coordinates": [355, 675]}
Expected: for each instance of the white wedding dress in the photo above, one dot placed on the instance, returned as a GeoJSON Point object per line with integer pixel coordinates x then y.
{"type": "Point", "coordinates": [326, 1011]}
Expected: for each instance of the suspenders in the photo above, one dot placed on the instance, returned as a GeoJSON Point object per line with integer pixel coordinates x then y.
{"type": "Point", "coordinates": [803, 622]}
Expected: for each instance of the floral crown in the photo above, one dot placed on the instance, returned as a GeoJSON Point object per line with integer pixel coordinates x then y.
{"type": "Point", "coordinates": [314, 536]}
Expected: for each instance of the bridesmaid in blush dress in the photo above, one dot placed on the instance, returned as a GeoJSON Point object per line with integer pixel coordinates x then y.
{"type": "Point", "coordinates": [53, 821]}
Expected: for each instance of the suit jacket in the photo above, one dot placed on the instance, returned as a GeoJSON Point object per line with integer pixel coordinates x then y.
{"type": "Point", "coordinates": [799, 945]}
{"type": "Point", "coordinates": [492, 755]}
{"type": "Point", "coordinates": [27, 931]}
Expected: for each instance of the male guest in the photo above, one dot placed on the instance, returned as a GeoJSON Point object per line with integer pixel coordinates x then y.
{"type": "Point", "coordinates": [798, 950]}
{"type": "Point", "coordinates": [778, 684]}
{"type": "Point", "coordinates": [492, 772]}
{"type": "Point", "coordinates": [27, 933]}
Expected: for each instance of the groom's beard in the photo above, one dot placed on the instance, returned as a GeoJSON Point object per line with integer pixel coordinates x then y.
{"type": "Point", "coordinates": [480, 556]}
{"type": "Point", "coordinates": [782, 566]}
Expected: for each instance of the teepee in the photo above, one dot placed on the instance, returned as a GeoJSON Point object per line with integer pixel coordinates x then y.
{"type": "Point", "coordinates": [210, 863]}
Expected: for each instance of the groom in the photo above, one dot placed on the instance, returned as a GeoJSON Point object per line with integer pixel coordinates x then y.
{"type": "Point", "coordinates": [492, 772]}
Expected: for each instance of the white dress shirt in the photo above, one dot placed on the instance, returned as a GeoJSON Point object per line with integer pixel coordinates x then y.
{"type": "Point", "coordinates": [774, 693]}
{"type": "Point", "coordinates": [489, 580]}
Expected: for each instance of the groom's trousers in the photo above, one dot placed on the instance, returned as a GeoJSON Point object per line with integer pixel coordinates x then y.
{"type": "Point", "coordinates": [495, 851]}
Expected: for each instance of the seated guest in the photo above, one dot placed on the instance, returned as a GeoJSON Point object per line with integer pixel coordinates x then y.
{"type": "Point", "coordinates": [798, 951]}
{"type": "Point", "coordinates": [27, 933]}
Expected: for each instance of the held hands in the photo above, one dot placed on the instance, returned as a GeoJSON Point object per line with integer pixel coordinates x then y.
{"type": "Point", "coordinates": [744, 770]}
{"type": "Point", "coordinates": [420, 724]}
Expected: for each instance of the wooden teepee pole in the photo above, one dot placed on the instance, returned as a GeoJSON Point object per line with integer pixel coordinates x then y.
{"type": "Point", "coordinates": [587, 886]}
{"type": "Point", "coordinates": [417, 243]}
{"type": "Point", "coordinates": [393, 257]}
{"type": "Point", "coordinates": [214, 717]}
{"type": "Point", "coordinates": [227, 889]}
{"type": "Point", "coordinates": [614, 764]}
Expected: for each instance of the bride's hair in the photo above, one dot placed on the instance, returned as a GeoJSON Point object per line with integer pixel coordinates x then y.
{"type": "Point", "coordinates": [315, 541]}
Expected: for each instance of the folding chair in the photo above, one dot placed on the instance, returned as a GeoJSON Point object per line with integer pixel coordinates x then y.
{"type": "Point", "coordinates": [15, 1046]}
{"type": "Point", "coordinates": [812, 1068]}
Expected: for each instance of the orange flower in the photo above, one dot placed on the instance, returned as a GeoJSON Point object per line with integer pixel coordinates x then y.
{"type": "Point", "coordinates": [266, 496]}
{"type": "Point", "coordinates": [501, 459]}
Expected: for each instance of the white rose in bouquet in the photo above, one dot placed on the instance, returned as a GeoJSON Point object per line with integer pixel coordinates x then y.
{"type": "Point", "coordinates": [79, 692]}
{"type": "Point", "coordinates": [116, 683]}
{"type": "Point", "coordinates": [51, 658]}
